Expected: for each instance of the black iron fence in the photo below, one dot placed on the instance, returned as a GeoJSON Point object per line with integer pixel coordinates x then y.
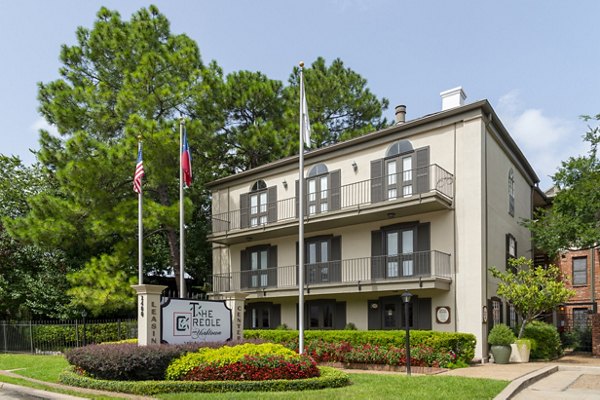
{"type": "Point", "coordinates": [40, 337]}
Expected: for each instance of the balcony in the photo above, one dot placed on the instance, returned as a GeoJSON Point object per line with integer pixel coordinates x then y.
{"type": "Point", "coordinates": [425, 269]}
{"type": "Point", "coordinates": [367, 200]}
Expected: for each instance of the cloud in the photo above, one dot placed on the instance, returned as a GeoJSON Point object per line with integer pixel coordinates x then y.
{"type": "Point", "coordinates": [41, 123]}
{"type": "Point", "coordinates": [545, 140]}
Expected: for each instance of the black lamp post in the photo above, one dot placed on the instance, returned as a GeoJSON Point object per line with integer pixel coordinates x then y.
{"type": "Point", "coordinates": [406, 296]}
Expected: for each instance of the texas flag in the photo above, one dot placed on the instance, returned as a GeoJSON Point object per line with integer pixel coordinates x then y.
{"type": "Point", "coordinates": [186, 161]}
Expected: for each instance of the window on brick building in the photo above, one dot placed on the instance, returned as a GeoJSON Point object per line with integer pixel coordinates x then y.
{"type": "Point", "coordinates": [579, 271]}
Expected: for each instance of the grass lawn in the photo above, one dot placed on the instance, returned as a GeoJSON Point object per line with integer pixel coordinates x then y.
{"type": "Point", "coordinates": [364, 386]}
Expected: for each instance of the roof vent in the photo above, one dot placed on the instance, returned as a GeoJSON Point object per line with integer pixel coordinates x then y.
{"type": "Point", "coordinates": [400, 114]}
{"type": "Point", "coordinates": [453, 98]}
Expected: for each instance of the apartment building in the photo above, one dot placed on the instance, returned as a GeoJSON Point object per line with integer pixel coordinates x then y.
{"type": "Point", "coordinates": [426, 205]}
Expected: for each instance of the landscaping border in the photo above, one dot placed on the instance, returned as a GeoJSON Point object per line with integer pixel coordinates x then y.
{"type": "Point", "coordinates": [330, 378]}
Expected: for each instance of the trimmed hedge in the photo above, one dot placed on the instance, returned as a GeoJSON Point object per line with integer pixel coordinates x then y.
{"type": "Point", "coordinates": [60, 336]}
{"type": "Point", "coordinates": [330, 378]}
{"type": "Point", "coordinates": [128, 361]}
{"type": "Point", "coordinates": [462, 344]}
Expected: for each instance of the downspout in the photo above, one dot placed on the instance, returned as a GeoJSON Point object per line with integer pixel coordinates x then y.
{"type": "Point", "coordinates": [485, 172]}
{"type": "Point", "coordinates": [455, 233]}
{"type": "Point", "coordinates": [593, 279]}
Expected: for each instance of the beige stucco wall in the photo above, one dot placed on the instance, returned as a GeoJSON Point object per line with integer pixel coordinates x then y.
{"type": "Point", "coordinates": [473, 232]}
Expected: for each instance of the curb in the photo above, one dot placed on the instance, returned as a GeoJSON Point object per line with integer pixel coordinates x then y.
{"type": "Point", "coordinates": [521, 383]}
{"type": "Point", "coordinates": [37, 392]}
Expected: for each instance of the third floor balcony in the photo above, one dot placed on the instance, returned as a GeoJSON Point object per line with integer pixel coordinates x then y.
{"type": "Point", "coordinates": [327, 204]}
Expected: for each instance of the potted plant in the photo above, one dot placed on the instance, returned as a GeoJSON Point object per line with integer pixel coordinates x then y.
{"type": "Point", "coordinates": [520, 350]}
{"type": "Point", "coordinates": [500, 338]}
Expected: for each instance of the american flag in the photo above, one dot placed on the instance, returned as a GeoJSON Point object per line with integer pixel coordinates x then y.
{"type": "Point", "coordinates": [139, 172]}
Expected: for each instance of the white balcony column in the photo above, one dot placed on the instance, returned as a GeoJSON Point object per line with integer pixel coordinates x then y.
{"type": "Point", "coordinates": [235, 301]}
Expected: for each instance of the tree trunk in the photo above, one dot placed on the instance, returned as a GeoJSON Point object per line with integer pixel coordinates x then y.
{"type": "Point", "coordinates": [522, 329]}
{"type": "Point", "coordinates": [173, 240]}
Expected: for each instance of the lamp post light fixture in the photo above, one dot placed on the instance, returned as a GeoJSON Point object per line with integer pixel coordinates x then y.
{"type": "Point", "coordinates": [406, 296]}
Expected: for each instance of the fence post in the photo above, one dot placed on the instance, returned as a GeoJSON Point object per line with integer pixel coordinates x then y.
{"type": "Point", "coordinates": [31, 336]}
{"type": "Point", "coordinates": [4, 335]}
{"type": "Point", "coordinates": [76, 334]}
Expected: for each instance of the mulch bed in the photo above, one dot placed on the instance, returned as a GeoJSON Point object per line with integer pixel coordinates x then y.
{"type": "Point", "coordinates": [385, 368]}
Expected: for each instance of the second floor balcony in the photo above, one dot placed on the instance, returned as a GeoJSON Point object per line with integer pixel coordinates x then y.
{"type": "Point", "coordinates": [328, 205]}
{"type": "Point", "coordinates": [424, 269]}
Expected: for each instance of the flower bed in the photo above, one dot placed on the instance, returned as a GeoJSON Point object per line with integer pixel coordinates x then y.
{"type": "Point", "coordinates": [252, 362]}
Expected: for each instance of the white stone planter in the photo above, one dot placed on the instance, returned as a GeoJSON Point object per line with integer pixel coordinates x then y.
{"type": "Point", "coordinates": [520, 352]}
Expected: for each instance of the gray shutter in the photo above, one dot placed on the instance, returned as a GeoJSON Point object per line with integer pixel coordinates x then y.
{"type": "Point", "coordinates": [422, 314]}
{"type": "Point", "coordinates": [422, 170]}
{"type": "Point", "coordinates": [244, 211]}
{"type": "Point", "coordinates": [248, 316]}
{"type": "Point", "coordinates": [272, 204]}
{"type": "Point", "coordinates": [340, 315]}
{"type": "Point", "coordinates": [335, 274]}
{"type": "Point", "coordinates": [335, 182]}
{"type": "Point", "coordinates": [377, 262]}
{"type": "Point", "coordinates": [272, 271]}
{"type": "Point", "coordinates": [376, 181]}
{"type": "Point", "coordinates": [245, 269]}
{"type": "Point", "coordinates": [298, 199]}
{"type": "Point", "coordinates": [374, 316]}
{"type": "Point", "coordinates": [275, 315]}
{"type": "Point", "coordinates": [423, 259]}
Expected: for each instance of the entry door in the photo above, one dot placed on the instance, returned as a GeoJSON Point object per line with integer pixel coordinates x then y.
{"type": "Point", "coordinates": [399, 252]}
{"type": "Point", "coordinates": [318, 257]}
{"type": "Point", "coordinates": [399, 177]}
{"type": "Point", "coordinates": [258, 267]}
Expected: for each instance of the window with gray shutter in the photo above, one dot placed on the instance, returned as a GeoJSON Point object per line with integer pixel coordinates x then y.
{"type": "Point", "coordinates": [258, 267]}
{"type": "Point", "coordinates": [259, 206]}
{"type": "Point", "coordinates": [422, 170]}
{"type": "Point", "coordinates": [322, 191]}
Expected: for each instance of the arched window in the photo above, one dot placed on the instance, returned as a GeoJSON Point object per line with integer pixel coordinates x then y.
{"type": "Point", "coordinates": [511, 192]}
{"type": "Point", "coordinates": [318, 169]}
{"type": "Point", "coordinates": [400, 147]}
{"type": "Point", "coordinates": [317, 189]}
{"type": "Point", "coordinates": [258, 185]}
{"type": "Point", "coordinates": [399, 174]}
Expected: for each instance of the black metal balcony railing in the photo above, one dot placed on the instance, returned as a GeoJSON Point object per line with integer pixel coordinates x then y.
{"type": "Point", "coordinates": [355, 194]}
{"type": "Point", "coordinates": [422, 264]}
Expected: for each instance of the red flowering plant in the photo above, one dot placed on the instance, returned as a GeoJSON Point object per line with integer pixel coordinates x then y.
{"type": "Point", "coordinates": [264, 361]}
{"type": "Point", "coordinates": [253, 368]}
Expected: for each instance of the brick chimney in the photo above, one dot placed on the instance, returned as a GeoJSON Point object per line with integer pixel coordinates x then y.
{"type": "Point", "coordinates": [453, 98]}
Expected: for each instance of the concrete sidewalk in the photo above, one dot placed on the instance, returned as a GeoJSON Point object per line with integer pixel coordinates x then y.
{"type": "Point", "coordinates": [574, 376]}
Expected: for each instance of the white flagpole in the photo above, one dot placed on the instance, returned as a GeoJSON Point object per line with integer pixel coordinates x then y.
{"type": "Point", "coordinates": [181, 216]}
{"type": "Point", "coordinates": [301, 221]}
{"type": "Point", "coordinates": [140, 228]}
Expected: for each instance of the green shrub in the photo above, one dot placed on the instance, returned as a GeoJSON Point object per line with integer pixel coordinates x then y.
{"type": "Point", "coordinates": [350, 326]}
{"type": "Point", "coordinates": [330, 378]}
{"type": "Point", "coordinates": [547, 339]}
{"type": "Point", "coordinates": [61, 336]}
{"type": "Point", "coordinates": [181, 366]}
{"type": "Point", "coordinates": [129, 361]}
{"type": "Point", "coordinates": [462, 344]}
{"type": "Point", "coordinates": [501, 335]}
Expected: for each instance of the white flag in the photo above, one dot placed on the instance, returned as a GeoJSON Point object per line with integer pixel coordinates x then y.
{"type": "Point", "coordinates": [304, 120]}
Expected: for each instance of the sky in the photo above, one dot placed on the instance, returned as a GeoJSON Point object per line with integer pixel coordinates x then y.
{"type": "Point", "coordinates": [536, 62]}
